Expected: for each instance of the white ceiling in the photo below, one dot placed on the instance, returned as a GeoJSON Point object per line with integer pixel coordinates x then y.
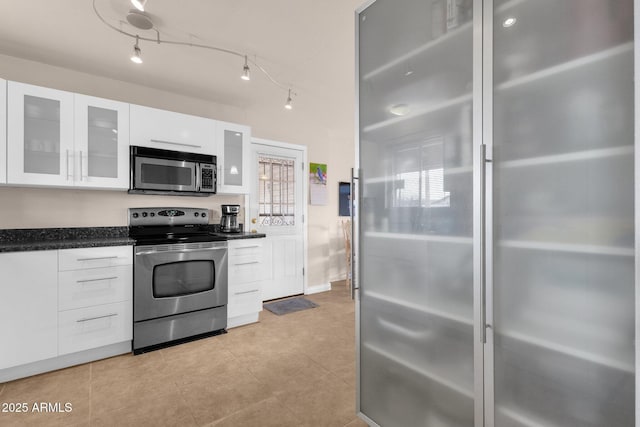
{"type": "Point", "coordinates": [306, 44]}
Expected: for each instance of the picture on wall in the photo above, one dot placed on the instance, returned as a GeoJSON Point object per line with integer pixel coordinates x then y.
{"type": "Point", "coordinates": [318, 184]}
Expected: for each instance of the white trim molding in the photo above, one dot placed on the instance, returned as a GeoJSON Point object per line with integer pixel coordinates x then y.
{"type": "Point", "coordinates": [317, 288]}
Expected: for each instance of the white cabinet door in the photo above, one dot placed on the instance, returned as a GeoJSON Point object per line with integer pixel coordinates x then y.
{"type": "Point", "coordinates": [40, 135]}
{"type": "Point", "coordinates": [101, 143]}
{"type": "Point", "coordinates": [233, 157]}
{"type": "Point", "coordinates": [99, 257]}
{"type": "Point", "coordinates": [3, 131]}
{"type": "Point", "coordinates": [168, 130]}
{"type": "Point", "coordinates": [28, 307]}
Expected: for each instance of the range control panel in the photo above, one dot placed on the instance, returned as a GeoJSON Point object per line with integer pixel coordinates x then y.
{"type": "Point", "coordinates": [168, 216]}
{"type": "Point", "coordinates": [207, 178]}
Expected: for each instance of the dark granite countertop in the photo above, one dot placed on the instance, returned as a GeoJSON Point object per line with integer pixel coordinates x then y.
{"type": "Point", "coordinates": [42, 239]}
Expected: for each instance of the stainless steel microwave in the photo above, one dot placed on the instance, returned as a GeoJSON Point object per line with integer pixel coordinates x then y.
{"type": "Point", "coordinates": [155, 171]}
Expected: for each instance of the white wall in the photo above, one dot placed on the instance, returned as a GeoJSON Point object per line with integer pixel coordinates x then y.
{"type": "Point", "coordinates": [328, 140]}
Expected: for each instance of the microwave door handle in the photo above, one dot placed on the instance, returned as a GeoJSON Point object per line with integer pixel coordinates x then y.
{"type": "Point", "coordinates": [198, 177]}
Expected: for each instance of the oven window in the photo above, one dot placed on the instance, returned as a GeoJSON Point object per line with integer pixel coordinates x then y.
{"type": "Point", "coordinates": [183, 278]}
{"type": "Point", "coordinates": [163, 174]}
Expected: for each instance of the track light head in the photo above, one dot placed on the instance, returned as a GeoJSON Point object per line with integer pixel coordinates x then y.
{"type": "Point", "coordinates": [137, 53]}
{"type": "Point", "coordinates": [288, 105]}
{"type": "Point", "coordinates": [139, 4]}
{"type": "Point", "coordinates": [246, 72]}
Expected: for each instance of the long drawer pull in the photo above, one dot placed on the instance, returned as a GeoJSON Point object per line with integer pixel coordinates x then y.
{"type": "Point", "coordinates": [175, 143]}
{"type": "Point", "coordinates": [247, 247]}
{"type": "Point", "coordinates": [97, 258]}
{"type": "Point", "coordinates": [247, 263]}
{"type": "Point", "coordinates": [96, 318]}
{"type": "Point", "coordinates": [247, 292]}
{"type": "Point", "coordinates": [96, 280]}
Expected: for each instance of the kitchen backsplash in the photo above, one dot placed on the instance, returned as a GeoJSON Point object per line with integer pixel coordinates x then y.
{"type": "Point", "coordinates": [49, 207]}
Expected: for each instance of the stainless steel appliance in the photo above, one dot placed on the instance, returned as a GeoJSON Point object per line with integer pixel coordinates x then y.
{"type": "Point", "coordinates": [158, 171]}
{"type": "Point", "coordinates": [229, 219]}
{"type": "Point", "coordinates": [180, 277]}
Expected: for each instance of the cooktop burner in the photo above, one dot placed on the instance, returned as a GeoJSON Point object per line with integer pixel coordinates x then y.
{"type": "Point", "coordinates": [157, 226]}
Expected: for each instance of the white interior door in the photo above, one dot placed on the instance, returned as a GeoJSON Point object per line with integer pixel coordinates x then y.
{"type": "Point", "coordinates": [276, 209]}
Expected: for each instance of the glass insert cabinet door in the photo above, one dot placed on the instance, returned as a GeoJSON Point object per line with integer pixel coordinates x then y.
{"type": "Point", "coordinates": [101, 142]}
{"type": "Point", "coordinates": [563, 288]}
{"type": "Point", "coordinates": [40, 135]}
{"type": "Point", "coordinates": [415, 257]}
{"type": "Point", "coordinates": [233, 157]}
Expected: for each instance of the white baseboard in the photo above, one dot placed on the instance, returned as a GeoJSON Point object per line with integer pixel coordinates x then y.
{"type": "Point", "coordinates": [318, 288]}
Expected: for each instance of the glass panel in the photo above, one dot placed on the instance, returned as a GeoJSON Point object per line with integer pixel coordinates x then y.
{"type": "Point", "coordinates": [183, 278]}
{"type": "Point", "coordinates": [41, 135]}
{"type": "Point", "coordinates": [277, 196]}
{"type": "Point", "coordinates": [563, 173]}
{"type": "Point", "coordinates": [232, 157]}
{"type": "Point", "coordinates": [415, 248]}
{"type": "Point", "coordinates": [103, 143]}
{"type": "Point", "coordinates": [163, 174]}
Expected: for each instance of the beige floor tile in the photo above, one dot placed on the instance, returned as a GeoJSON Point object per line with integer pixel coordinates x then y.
{"type": "Point", "coordinates": [267, 413]}
{"type": "Point", "coordinates": [151, 409]}
{"type": "Point", "coordinates": [212, 401]}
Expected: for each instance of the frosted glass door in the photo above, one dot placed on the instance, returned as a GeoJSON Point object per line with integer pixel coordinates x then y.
{"type": "Point", "coordinates": [40, 135]}
{"type": "Point", "coordinates": [416, 346]}
{"type": "Point", "coordinates": [563, 213]}
{"type": "Point", "coordinates": [102, 142]}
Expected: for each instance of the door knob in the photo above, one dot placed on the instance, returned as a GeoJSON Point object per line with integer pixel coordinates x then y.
{"type": "Point", "coordinates": [253, 220]}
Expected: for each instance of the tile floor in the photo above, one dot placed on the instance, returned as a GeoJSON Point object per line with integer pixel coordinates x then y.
{"type": "Point", "coordinates": [292, 370]}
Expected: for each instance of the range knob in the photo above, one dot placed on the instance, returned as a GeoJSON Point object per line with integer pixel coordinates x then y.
{"type": "Point", "coordinates": [135, 215]}
{"type": "Point", "coordinates": [195, 214]}
{"type": "Point", "coordinates": [152, 214]}
{"type": "Point", "coordinates": [144, 214]}
{"type": "Point", "coordinates": [203, 214]}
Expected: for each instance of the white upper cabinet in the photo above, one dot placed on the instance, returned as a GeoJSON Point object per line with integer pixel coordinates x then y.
{"type": "Point", "coordinates": [233, 158]}
{"type": "Point", "coordinates": [101, 142]}
{"type": "Point", "coordinates": [168, 130]}
{"type": "Point", "coordinates": [3, 131]}
{"type": "Point", "coordinates": [58, 138]}
{"type": "Point", "coordinates": [39, 135]}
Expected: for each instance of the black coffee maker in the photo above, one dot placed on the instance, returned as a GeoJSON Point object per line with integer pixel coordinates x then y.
{"type": "Point", "coordinates": [229, 219]}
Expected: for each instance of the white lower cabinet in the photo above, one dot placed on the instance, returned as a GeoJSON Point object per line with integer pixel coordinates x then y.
{"type": "Point", "coordinates": [28, 309]}
{"type": "Point", "coordinates": [246, 269]}
{"type": "Point", "coordinates": [63, 307]}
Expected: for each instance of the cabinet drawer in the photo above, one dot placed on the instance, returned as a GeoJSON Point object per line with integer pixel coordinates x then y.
{"type": "Point", "coordinates": [106, 256]}
{"type": "Point", "coordinates": [245, 248]}
{"type": "Point", "coordinates": [244, 299]}
{"type": "Point", "coordinates": [93, 327]}
{"type": "Point", "coordinates": [241, 271]}
{"type": "Point", "coordinates": [84, 288]}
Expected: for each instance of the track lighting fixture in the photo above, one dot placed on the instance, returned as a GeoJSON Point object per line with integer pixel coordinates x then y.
{"type": "Point", "coordinates": [245, 70]}
{"type": "Point", "coordinates": [136, 57]}
{"type": "Point", "coordinates": [288, 105]}
{"type": "Point", "coordinates": [139, 4]}
{"type": "Point", "coordinates": [141, 20]}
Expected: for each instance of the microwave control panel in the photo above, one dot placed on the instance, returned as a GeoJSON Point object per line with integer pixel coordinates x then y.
{"type": "Point", "coordinates": [207, 178]}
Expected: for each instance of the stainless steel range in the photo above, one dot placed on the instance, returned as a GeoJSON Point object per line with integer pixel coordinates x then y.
{"type": "Point", "coordinates": [180, 277]}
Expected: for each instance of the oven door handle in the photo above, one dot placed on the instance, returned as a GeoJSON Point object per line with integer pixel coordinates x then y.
{"type": "Point", "coordinates": [180, 251]}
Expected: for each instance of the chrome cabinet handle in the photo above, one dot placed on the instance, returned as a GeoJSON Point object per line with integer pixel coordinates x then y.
{"type": "Point", "coordinates": [68, 173]}
{"type": "Point", "coordinates": [247, 247]}
{"type": "Point", "coordinates": [96, 280]}
{"type": "Point", "coordinates": [247, 292]}
{"type": "Point", "coordinates": [97, 258]}
{"type": "Point", "coordinates": [247, 263]}
{"type": "Point", "coordinates": [96, 318]}
{"type": "Point", "coordinates": [81, 166]}
{"type": "Point", "coordinates": [352, 214]}
{"type": "Point", "coordinates": [176, 143]}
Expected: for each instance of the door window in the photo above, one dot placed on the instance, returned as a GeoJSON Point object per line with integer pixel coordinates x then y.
{"type": "Point", "coordinates": [276, 191]}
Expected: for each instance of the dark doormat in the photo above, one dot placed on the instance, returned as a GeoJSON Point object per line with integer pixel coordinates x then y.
{"type": "Point", "coordinates": [289, 305]}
